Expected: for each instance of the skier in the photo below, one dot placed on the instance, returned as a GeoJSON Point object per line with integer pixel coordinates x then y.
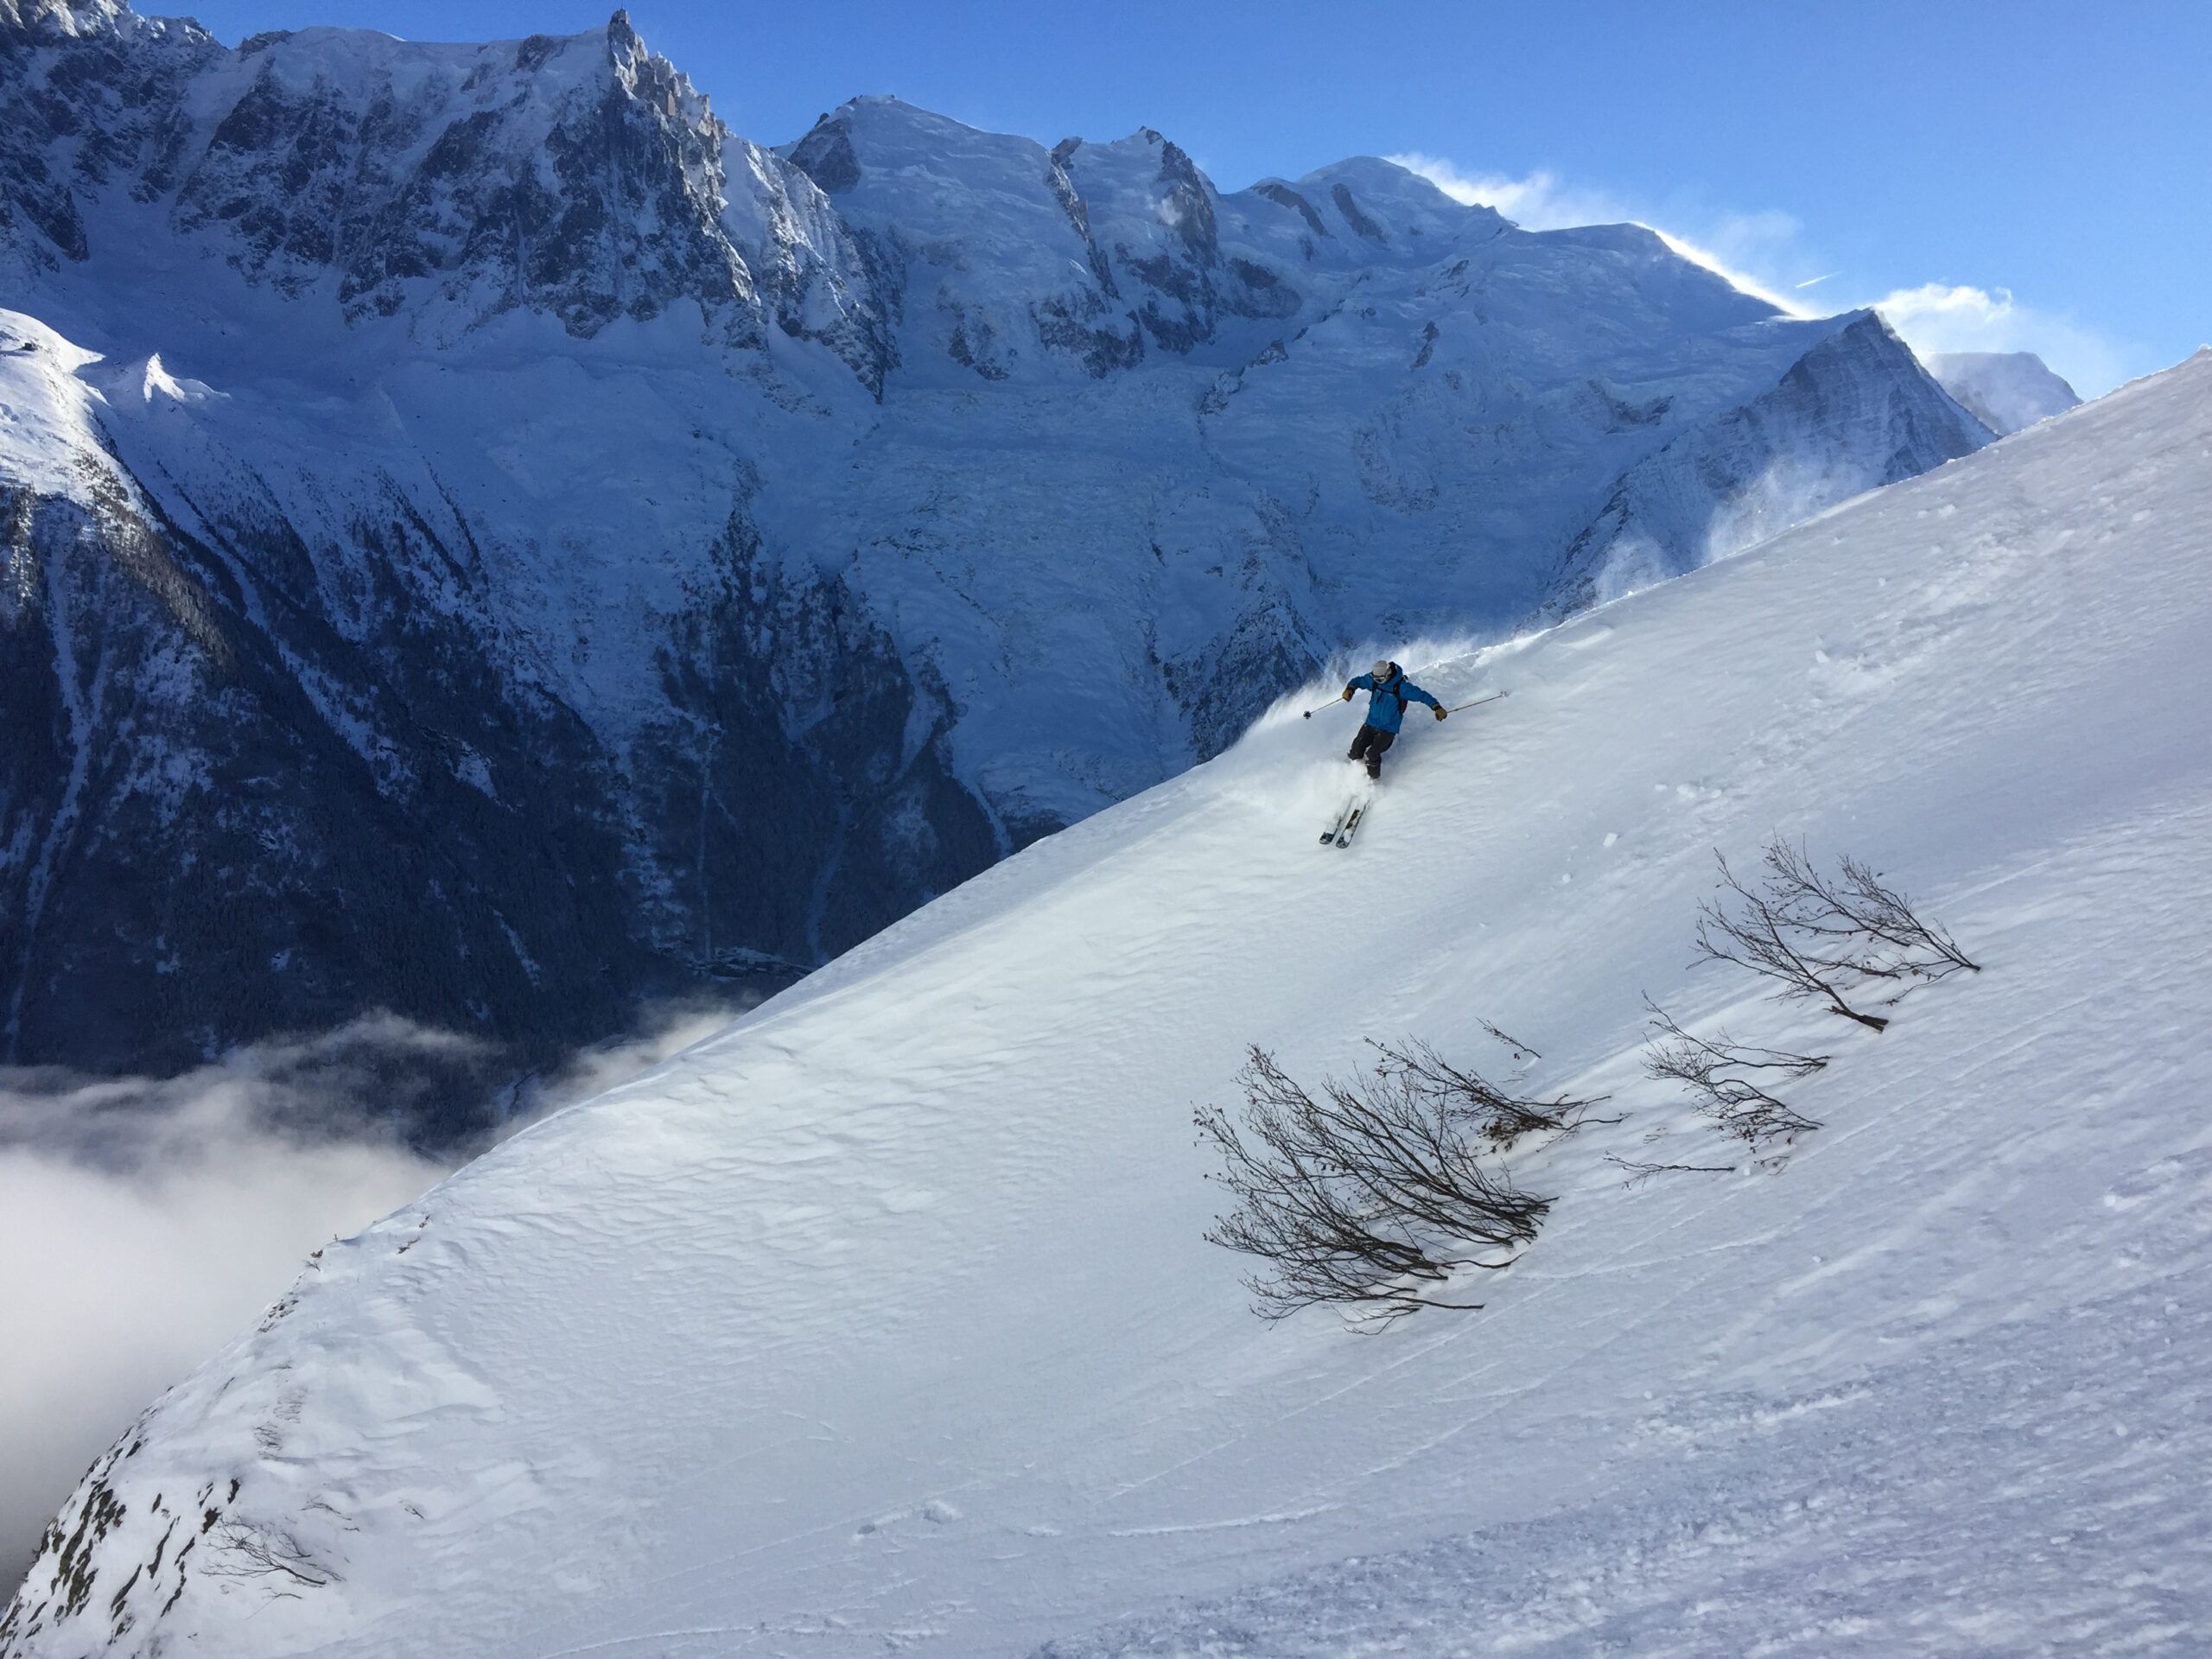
{"type": "Point", "coordinates": [1389, 691]}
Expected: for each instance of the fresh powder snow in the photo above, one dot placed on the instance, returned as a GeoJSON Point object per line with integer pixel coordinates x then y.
{"type": "Point", "coordinates": [881, 1321]}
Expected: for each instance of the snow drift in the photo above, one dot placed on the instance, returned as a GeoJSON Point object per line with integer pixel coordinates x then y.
{"type": "Point", "coordinates": [881, 1321]}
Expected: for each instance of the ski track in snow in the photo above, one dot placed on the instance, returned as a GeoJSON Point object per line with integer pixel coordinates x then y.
{"type": "Point", "coordinates": [881, 1322]}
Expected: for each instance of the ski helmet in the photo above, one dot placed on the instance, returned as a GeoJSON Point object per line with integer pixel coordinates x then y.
{"type": "Point", "coordinates": [1383, 669]}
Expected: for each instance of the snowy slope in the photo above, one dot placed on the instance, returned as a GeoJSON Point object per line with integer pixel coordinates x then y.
{"type": "Point", "coordinates": [693, 555]}
{"type": "Point", "coordinates": [2005, 391]}
{"type": "Point", "coordinates": [881, 1321]}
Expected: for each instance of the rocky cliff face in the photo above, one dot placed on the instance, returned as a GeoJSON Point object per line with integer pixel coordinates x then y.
{"type": "Point", "coordinates": [483, 539]}
{"type": "Point", "coordinates": [264, 784]}
{"type": "Point", "coordinates": [582, 178]}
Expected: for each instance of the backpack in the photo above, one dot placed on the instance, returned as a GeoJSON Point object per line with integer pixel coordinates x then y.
{"type": "Point", "coordinates": [1394, 689]}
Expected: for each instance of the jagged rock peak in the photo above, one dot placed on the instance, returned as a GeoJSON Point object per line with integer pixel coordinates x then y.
{"type": "Point", "coordinates": [825, 155]}
{"type": "Point", "coordinates": [54, 22]}
{"type": "Point", "coordinates": [77, 19]}
{"type": "Point", "coordinates": [647, 75]}
{"type": "Point", "coordinates": [582, 176]}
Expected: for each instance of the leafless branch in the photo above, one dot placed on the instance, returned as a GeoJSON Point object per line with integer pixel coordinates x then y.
{"type": "Point", "coordinates": [1756, 931]}
{"type": "Point", "coordinates": [1496, 1114]}
{"type": "Point", "coordinates": [1373, 1192]}
{"type": "Point", "coordinates": [1820, 934]}
{"type": "Point", "coordinates": [1639, 1173]}
{"type": "Point", "coordinates": [253, 1551]}
{"type": "Point", "coordinates": [1874, 926]}
{"type": "Point", "coordinates": [1519, 1050]}
{"type": "Point", "coordinates": [1730, 1081]}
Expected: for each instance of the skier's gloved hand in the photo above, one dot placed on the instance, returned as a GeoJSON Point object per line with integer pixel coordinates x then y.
{"type": "Point", "coordinates": [1347, 696]}
{"type": "Point", "coordinates": [1440, 711]}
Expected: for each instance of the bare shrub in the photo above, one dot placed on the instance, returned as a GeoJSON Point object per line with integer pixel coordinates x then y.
{"type": "Point", "coordinates": [1731, 1082]}
{"type": "Point", "coordinates": [1869, 928]}
{"type": "Point", "coordinates": [1373, 1192]}
{"type": "Point", "coordinates": [1819, 935]}
{"type": "Point", "coordinates": [250, 1549]}
{"type": "Point", "coordinates": [1756, 929]}
{"type": "Point", "coordinates": [1498, 1116]}
{"type": "Point", "coordinates": [1636, 1172]}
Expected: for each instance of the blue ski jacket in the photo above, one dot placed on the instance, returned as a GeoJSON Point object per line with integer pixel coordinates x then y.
{"type": "Point", "coordinates": [1386, 703]}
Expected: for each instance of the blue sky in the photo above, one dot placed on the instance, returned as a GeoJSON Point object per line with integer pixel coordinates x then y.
{"type": "Point", "coordinates": [2021, 176]}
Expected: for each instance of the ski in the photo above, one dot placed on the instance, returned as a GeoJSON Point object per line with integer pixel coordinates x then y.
{"type": "Point", "coordinates": [1337, 824]}
{"type": "Point", "coordinates": [1350, 827]}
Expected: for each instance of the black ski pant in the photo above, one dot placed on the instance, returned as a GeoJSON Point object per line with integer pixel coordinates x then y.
{"type": "Point", "coordinates": [1369, 746]}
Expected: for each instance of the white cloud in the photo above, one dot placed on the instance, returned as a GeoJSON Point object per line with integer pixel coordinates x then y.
{"type": "Point", "coordinates": [1958, 317]}
{"type": "Point", "coordinates": [144, 1223]}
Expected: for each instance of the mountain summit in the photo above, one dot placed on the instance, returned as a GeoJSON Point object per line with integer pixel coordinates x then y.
{"type": "Point", "coordinates": [594, 556]}
{"type": "Point", "coordinates": [2006, 391]}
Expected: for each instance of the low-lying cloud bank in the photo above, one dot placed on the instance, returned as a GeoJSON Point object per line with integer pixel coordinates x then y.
{"type": "Point", "coordinates": [144, 1223]}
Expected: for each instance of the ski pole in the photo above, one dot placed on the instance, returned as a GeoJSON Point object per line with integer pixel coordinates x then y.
{"type": "Point", "coordinates": [1478, 702]}
{"type": "Point", "coordinates": [1330, 704]}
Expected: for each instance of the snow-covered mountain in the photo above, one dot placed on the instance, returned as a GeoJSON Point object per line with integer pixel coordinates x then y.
{"type": "Point", "coordinates": [1745, 475]}
{"type": "Point", "coordinates": [881, 1321]}
{"type": "Point", "coordinates": [2005, 391]}
{"type": "Point", "coordinates": [489, 542]}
